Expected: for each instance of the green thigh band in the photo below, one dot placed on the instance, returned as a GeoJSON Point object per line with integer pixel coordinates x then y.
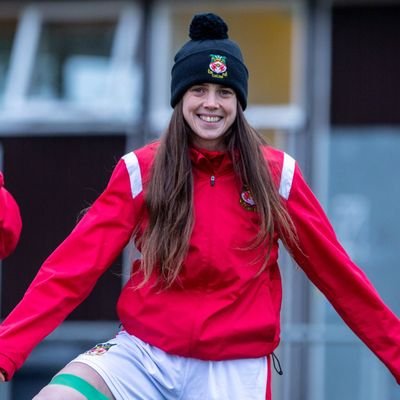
{"type": "Point", "coordinates": [79, 384]}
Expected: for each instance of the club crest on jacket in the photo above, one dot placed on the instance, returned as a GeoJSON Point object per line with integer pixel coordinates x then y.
{"type": "Point", "coordinates": [246, 200]}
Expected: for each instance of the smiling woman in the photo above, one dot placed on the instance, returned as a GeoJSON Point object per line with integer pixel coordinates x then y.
{"type": "Point", "coordinates": [210, 110]}
{"type": "Point", "coordinates": [206, 206]}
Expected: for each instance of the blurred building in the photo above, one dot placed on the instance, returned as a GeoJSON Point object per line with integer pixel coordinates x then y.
{"type": "Point", "coordinates": [83, 82]}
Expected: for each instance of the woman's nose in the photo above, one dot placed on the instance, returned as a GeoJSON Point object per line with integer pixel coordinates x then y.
{"type": "Point", "coordinates": [211, 100]}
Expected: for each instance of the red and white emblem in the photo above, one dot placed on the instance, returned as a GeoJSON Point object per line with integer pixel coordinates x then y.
{"type": "Point", "coordinates": [100, 349]}
{"type": "Point", "coordinates": [246, 200]}
{"type": "Point", "coordinates": [217, 66]}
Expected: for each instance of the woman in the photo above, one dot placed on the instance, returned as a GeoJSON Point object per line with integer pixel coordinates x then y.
{"type": "Point", "coordinates": [206, 206]}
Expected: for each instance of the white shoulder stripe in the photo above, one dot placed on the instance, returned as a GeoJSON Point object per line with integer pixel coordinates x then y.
{"type": "Point", "coordinates": [135, 177]}
{"type": "Point", "coordinates": [287, 176]}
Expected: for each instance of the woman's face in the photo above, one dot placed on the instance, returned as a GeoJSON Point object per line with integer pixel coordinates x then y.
{"type": "Point", "coordinates": [210, 110]}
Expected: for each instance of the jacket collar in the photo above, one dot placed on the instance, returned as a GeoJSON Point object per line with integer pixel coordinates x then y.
{"type": "Point", "coordinates": [208, 160]}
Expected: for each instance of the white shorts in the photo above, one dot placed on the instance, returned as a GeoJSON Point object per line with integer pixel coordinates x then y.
{"type": "Point", "coordinates": [136, 370]}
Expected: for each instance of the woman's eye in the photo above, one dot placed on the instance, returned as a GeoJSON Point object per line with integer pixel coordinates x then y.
{"type": "Point", "coordinates": [198, 89]}
{"type": "Point", "coordinates": [226, 92]}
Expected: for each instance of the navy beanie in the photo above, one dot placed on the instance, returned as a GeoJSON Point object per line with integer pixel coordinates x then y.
{"type": "Point", "coordinates": [209, 57]}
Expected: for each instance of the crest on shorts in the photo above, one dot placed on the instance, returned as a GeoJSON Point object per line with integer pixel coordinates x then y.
{"type": "Point", "coordinates": [100, 349]}
{"type": "Point", "coordinates": [246, 200]}
{"type": "Point", "coordinates": [217, 67]}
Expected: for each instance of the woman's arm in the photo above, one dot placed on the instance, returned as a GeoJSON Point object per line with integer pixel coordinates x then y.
{"type": "Point", "coordinates": [68, 276]}
{"type": "Point", "coordinates": [344, 284]}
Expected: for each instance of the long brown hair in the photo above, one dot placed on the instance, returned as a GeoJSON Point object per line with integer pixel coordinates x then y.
{"type": "Point", "coordinates": [169, 197]}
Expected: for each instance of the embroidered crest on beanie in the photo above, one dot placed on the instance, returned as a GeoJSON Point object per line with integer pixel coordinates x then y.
{"type": "Point", "coordinates": [209, 57]}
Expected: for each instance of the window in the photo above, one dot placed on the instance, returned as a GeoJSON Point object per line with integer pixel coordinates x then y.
{"type": "Point", "coordinates": [74, 64]}
{"type": "Point", "coordinates": [7, 32]}
{"type": "Point", "coordinates": [72, 61]}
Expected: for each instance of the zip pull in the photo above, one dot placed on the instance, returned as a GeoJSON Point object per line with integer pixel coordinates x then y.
{"type": "Point", "coordinates": [277, 364]}
{"type": "Point", "coordinates": [212, 180]}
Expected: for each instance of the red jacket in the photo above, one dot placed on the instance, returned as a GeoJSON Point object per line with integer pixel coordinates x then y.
{"type": "Point", "coordinates": [221, 308]}
{"type": "Point", "coordinates": [10, 221]}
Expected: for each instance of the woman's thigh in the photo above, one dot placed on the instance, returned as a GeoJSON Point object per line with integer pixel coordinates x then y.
{"type": "Point", "coordinates": [61, 392]}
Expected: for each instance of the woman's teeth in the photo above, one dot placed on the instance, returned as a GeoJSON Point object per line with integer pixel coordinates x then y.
{"type": "Point", "coordinates": [210, 118]}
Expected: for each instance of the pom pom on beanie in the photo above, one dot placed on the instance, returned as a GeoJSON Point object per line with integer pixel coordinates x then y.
{"type": "Point", "coordinates": [209, 57]}
{"type": "Point", "coordinates": [208, 26]}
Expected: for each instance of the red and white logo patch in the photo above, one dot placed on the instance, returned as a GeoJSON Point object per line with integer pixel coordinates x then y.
{"type": "Point", "coordinates": [217, 66]}
{"type": "Point", "coordinates": [246, 200]}
{"type": "Point", "coordinates": [100, 349]}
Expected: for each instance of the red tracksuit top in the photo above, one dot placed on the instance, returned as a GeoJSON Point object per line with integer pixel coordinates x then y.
{"type": "Point", "coordinates": [10, 221]}
{"type": "Point", "coordinates": [220, 308]}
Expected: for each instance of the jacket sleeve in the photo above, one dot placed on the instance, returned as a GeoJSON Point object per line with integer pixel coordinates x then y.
{"type": "Point", "coordinates": [10, 221]}
{"type": "Point", "coordinates": [330, 268]}
{"type": "Point", "coordinates": [67, 277]}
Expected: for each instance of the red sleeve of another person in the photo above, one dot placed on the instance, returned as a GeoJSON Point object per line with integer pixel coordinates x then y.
{"type": "Point", "coordinates": [10, 221]}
